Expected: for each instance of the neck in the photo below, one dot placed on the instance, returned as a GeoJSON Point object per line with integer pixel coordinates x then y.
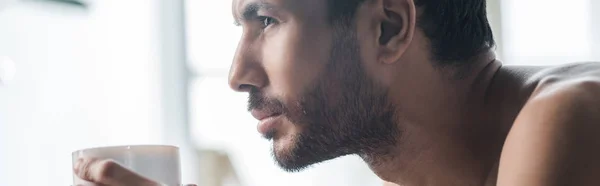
{"type": "Point", "coordinates": [448, 137]}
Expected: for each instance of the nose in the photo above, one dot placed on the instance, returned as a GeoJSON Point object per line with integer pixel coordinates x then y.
{"type": "Point", "coordinates": [246, 72]}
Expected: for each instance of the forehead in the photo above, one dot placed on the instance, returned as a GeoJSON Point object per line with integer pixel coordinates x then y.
{"type": "Point", "coordinates": [307, 7]}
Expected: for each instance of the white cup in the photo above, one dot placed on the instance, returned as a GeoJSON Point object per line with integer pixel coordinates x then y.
{"type": "Point", "coordinates": [156, 162]}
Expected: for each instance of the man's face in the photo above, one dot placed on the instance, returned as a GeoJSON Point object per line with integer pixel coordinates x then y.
{"type": "Point", "coordinates": [307, 83]}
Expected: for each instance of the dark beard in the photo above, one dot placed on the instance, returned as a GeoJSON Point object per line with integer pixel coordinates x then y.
{"type": "Point", "coordinates": [344, 112]}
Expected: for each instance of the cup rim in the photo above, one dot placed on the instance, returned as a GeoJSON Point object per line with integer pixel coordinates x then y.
{"type": "Point", "coordinates": [171, 147]}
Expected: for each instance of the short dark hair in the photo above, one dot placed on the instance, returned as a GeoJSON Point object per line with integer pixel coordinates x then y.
{"type": "Point", "coordinates": [457, 29]}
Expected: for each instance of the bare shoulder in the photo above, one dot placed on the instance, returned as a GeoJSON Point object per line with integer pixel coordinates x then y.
{"type": "Point", "coordinates": [555, 139]}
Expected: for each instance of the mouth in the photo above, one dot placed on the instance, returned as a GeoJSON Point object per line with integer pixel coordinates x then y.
{"type": "Point", "coordinates": [267, 120]}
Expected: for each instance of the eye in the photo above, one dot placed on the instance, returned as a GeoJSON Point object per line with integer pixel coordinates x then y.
{"type": "Point", "coordinates": [266, 21]}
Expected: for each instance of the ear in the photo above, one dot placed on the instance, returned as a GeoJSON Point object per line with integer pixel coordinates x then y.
{"type": "Point", "coordinates": [397, 25]}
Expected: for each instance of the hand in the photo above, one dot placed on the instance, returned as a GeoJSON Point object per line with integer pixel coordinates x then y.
{"type": "Point", "coordinates": [389, 184]}
{"type": "Point", "coordinates": [109, 173]}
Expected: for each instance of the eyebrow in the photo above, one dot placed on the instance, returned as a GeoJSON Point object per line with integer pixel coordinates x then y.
{"type": "Point", "coordinates": [251, 11]}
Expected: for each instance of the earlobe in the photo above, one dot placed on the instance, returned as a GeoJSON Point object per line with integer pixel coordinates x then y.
{"type": "Point", "coordinates": [396, 29]}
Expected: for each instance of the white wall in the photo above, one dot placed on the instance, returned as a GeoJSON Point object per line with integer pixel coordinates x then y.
{"type": "Point", "coordinates": [595, 22]}
{"type": "Point", "coordinates": [549, 32]}
{"type": "Point", "coordinates": [84, 78]}
{"type": "Point", "coordinates": [494, 10]}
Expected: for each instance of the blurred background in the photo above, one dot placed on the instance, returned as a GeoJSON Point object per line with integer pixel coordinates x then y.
{"type": "Point", "coordinates": [85, 73]}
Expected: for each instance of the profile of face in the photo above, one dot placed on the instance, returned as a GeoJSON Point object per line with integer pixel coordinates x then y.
{"type": "Point", "coordinates": [308, 84]}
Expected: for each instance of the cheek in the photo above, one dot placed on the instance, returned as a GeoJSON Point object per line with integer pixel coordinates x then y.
{"type": "Point", "coordinates": [293, 58]}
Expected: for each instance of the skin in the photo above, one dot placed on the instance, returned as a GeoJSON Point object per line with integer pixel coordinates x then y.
{"type": "Point", "coordinates": [499, 125]}
{"type": "Point", "coordinates": [108, 173]}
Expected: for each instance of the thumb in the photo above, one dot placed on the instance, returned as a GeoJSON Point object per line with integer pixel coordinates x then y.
{"type": "Point", "coordinates": [108, 172]}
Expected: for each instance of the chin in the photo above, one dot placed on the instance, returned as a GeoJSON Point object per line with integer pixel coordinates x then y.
{"type": "Point", "coordinates": [284, 147]}
{"type": "Point", "coordinates": [284, 152]}
{"type": "Point", "coordinates": [293, 153]}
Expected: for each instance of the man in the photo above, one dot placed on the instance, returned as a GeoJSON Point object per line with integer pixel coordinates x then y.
{"type": "Point", "coordinates": [414, 88]}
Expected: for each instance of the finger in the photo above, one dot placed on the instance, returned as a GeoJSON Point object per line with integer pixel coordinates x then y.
{"type": "Point", "coordinates": [191, 185]}
{"type": "Point", "coordinates": [90, 184]}
{"type": "Point", "coordinates": [107, 172]}
{"type": "Point", "coordinates": [389, 184]}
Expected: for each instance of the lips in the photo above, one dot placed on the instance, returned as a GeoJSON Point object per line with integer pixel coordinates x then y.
{"type": "Point", "coordinates": [267, 120]}
{"type": "Point", "coordinates": [261, 115]}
